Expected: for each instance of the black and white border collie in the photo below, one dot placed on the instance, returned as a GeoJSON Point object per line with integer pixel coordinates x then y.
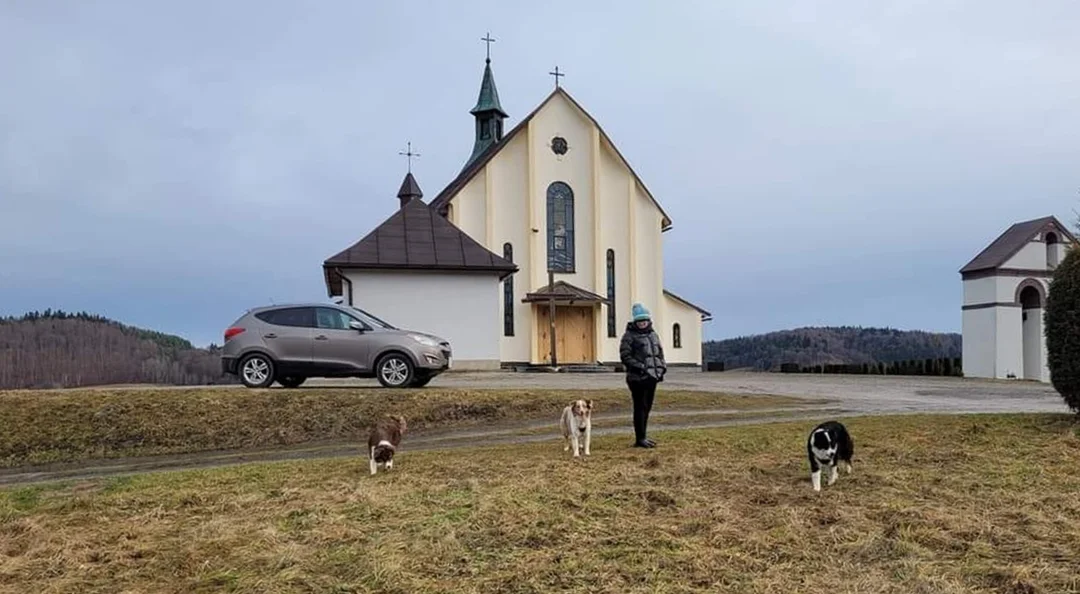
{"type": "Point", "coordinates": [829, 443]}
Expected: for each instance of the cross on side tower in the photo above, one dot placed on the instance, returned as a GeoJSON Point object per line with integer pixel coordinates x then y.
{"type": "Point", "coordinates": [557, 74]}
{"type": "Point", "coordinates": [488, 39]}
{"type": "Point", "coordinates": [408, 154]}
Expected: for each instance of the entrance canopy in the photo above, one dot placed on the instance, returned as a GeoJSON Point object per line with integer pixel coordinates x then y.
{"type": "Point", "coordinates": [563, 293]}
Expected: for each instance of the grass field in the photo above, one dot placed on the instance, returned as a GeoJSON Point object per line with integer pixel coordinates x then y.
{"type": "Point", "coordinates": [945, 504]}
{"type": "Point", "coordinates": [71, 425]}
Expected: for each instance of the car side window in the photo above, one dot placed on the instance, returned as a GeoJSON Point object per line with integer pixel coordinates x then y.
{"type": "Point", "coordinates": [332, 319]}
{"type": "Point", "coordinates": [297, 317]}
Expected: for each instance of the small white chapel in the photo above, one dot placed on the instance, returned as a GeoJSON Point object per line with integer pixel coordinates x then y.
{"type": "Point", "coordinates": [1005, 288]}
{"type": "Point", "coordinates": [553, 193]}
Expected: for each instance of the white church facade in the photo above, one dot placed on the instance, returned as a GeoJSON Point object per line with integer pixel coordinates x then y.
{"type": "Point", "coordinates": [1005, 288]}
{"type": "Point", "coordinates": [551, 194]}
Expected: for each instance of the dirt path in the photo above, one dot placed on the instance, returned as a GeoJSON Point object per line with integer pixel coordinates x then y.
{"type": "Point", "coordinates": [605, 424]}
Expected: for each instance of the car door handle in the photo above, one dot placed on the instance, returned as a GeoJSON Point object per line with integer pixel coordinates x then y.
{"type": "Point", "coordinates": [271, 335]}
{"type": "Point", "coordinates": [321, 337]}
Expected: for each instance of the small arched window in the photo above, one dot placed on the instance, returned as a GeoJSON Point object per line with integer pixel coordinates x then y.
{"type": "Point", "coordinates": [508, 294]}
{"type": "Point", "coordinates": [612, 329]}
{"type": "Point", "coordinates": [1052, 249]}
{"type": "Point", "coordinates": [676, 335]}
{"type": "Point", "coordinates": [560, 227]}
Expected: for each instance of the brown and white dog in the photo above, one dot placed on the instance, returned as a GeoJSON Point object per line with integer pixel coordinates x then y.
{"type": "Point", "coordinates": [383, 441]}
{"type": "Point", "coordinates": [576, 423]}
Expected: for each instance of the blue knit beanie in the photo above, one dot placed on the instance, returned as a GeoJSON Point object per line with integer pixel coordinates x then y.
{"type": "Point", "coordinates": [639, 312]}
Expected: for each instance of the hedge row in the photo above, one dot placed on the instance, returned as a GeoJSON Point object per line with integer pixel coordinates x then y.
{"type": "Point", "coordinates": [946, 366]}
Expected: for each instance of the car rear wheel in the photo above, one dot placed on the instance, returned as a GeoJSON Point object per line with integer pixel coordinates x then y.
{"type": "Point", "coordinates": [394, 371]}
{"type": "Point", "coordinates": [257, 371]}
{"type": "Point", "coordinates": [291, 381]}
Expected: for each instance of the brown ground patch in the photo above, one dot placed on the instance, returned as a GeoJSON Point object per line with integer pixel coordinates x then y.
{"type": "Point", "coordinates": [935, 504]}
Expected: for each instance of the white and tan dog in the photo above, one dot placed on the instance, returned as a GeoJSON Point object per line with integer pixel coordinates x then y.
{"type": "Point", "coordinates": [576, 424]}
{"type": "Point", "coordinates": [383, 441]}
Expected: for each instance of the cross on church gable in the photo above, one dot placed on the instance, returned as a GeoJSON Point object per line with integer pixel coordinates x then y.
{"type": "Point", "coordinates": [408, 154]}
{"type": "Point", "coordinates": [557, 75]}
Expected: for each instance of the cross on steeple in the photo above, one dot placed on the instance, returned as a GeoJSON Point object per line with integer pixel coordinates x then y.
{"type": "Point", "coordinates": [488, 39]}
{"type": "Point", "coordinates": [408, 154]}
{"type": "Point", "coordinates": [557, 74]}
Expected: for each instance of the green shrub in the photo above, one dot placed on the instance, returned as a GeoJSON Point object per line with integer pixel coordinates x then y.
{"type": "Point", "coordinates": [1062, 325]}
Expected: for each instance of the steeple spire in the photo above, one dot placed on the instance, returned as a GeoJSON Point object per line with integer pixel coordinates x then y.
{"type": "Point", "coordinates": [410, 190]}
{"type": "Point", "coordinates": [488, 112]}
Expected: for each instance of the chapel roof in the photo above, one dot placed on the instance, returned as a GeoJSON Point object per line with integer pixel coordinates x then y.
{"type": "Point", "coordinates": [414, 238]}
{"type": "Point", "coordinates": [1012, 241]}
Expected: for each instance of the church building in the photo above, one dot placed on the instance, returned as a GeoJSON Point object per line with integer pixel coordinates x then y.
{"type": "Point", "coordinates": [1005, 288]}
{"type": "Point", "coordinates": [553, 193]}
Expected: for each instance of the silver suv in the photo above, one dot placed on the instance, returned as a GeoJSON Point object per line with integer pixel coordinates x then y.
{"type": "Point", "coordinates": [290, 343]}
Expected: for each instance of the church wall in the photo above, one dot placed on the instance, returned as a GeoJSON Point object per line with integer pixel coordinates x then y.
{"type": "Point", "coordinates": [979, 342]}
{"type": "Point", "coordinates": [509, 214]}
{"type": "Point", "coordinates": [981, 290]}
{"type": "Point", "coordinates": [469, 206]}
{"type": "Point", "coordinates": [1009, 341]}
{"type": "Point", "coordinates": [614, 181]}
{"type": "Point", "coordinates": [689, 320]}
{"type": "Point", "coordinates": [648, 268]}
{"type": "Point", "coordinates": [1030, 257]}
{"type": "Point", "coordinates": [560, 118]}
{"type": "Point", "coordinates": [993, 337]}
{"type": "Point", "coordinates": [457, 307]}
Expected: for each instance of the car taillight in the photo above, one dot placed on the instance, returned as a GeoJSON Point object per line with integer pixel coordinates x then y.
{"type": "Point", "coordinates": [231, 332]}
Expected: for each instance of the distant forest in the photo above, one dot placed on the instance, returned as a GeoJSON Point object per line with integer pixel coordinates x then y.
{"type": "Point", "coordinates": [831, 345]}
{"type": "Point", "coordinates": [55, 349]}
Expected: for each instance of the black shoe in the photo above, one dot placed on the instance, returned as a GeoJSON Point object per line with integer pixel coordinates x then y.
{"type": "Point", "coordinates": [650, 443]}
{"type": "Point", "coordinates": [641, 444]}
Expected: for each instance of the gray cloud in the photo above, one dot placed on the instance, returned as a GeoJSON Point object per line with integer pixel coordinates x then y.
{"type": "Point", "coordinates": [170, 165]}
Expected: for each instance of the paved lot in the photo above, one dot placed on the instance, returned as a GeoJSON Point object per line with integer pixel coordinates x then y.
{"type": "Point", "coordinates": [856, 393]}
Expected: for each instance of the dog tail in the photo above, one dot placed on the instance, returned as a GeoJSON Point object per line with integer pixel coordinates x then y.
{"type": "Point", "coordinates": [383, 453]}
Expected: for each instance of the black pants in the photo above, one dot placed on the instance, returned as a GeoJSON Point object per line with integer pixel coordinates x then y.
{"type": "Point", "coordinates": [643, 392]}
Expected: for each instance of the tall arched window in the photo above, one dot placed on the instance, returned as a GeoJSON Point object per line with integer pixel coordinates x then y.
{"type": "Point", "coordinates": [560, 227]}
{"type": "Point", "coordinates": [1051, 249]}
{"type": "Point", "coordinates": [508, 294]}
{"type": "Point", "coordinates": [612, 330]}
{"type": "Point", "coordinates": [676, 336]}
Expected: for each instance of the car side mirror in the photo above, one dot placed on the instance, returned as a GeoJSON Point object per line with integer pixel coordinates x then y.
{"type": "Point", "coordinates": [359, 327]}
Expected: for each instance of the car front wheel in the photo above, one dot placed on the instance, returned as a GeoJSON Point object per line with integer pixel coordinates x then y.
{"type": "Point", "coordinates": [257, 371]}
{"type": "Point", "coordinates": [394, 371]}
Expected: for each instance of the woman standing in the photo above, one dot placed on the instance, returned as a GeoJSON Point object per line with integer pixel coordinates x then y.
{"type": "Point", "coordinates": [643, 357]}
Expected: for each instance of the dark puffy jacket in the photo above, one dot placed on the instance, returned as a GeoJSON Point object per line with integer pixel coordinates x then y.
{"type": "Point", "coordinates": [642, 354]}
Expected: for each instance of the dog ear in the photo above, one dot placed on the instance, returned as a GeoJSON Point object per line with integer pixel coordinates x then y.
{"type": "Point", "coordinates": [588, 404]}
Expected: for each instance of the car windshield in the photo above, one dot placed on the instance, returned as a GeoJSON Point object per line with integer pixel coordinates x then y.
{"type": "Point", "coordinates": [371, 320]}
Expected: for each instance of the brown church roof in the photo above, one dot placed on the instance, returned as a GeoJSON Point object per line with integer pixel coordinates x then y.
{"type": "Point", "coordinates": [1012, 241]}
{"type": "Point", "coordinates": [415, 238]}
{"type": "Point", "coordinates": [472, 168]}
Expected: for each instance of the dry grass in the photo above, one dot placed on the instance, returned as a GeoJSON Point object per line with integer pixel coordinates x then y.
{"type": "Point", "coordinates": [63, 426]}
{"type": "Point", "coordinates": [936, 504]}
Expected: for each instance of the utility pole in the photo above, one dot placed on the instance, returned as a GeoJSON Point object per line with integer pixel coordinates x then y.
{"type": "Point", "coordinates": [551, 316]}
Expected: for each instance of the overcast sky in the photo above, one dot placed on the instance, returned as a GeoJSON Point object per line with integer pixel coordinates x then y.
{"type": "Point", "coordinates": [169, 164]}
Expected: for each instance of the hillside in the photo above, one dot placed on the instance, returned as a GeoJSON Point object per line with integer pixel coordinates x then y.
{"type": "Point", "coordinates": [54, 349]}
{"type": "Point", "coordinates": [830, 345]}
